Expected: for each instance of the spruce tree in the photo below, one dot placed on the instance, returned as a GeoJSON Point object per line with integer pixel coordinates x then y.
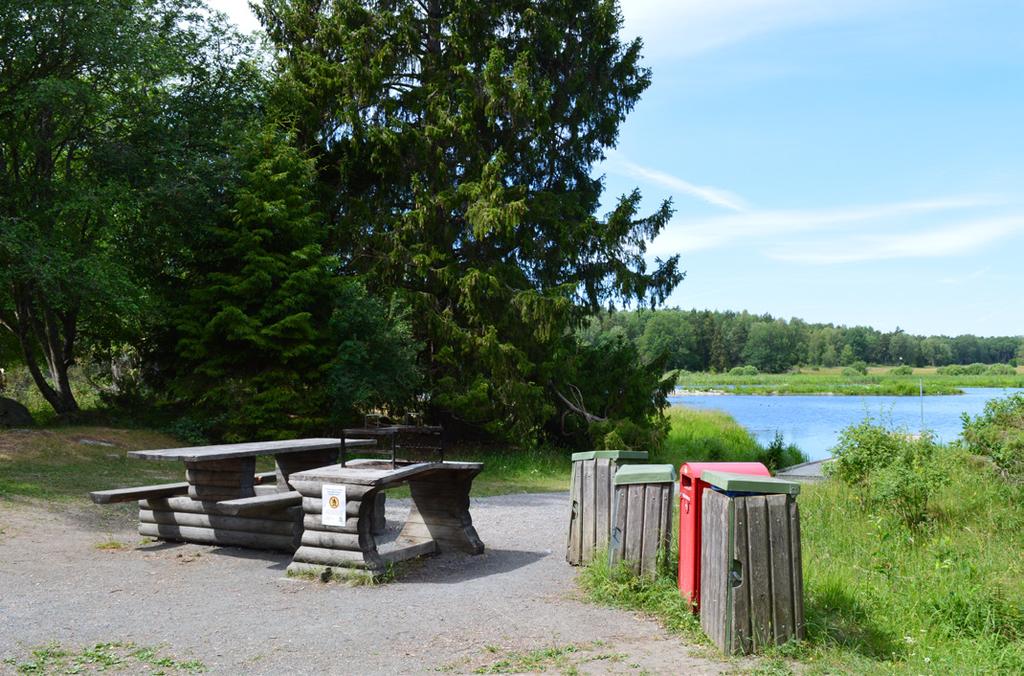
{"type": "Point", "coordinates": [455, 146]}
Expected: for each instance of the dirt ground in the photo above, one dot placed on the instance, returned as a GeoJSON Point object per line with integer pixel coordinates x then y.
{"type": "Point", "coordinates": [64, 579]}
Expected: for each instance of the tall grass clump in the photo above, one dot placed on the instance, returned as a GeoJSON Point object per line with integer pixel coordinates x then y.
{"type": "Point", "coordinates": [998, 433]}
{"type": "Point", "coordinates": [697, 435]}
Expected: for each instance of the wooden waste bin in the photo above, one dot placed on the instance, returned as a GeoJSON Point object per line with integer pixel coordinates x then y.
{"type": "Point", "coordinates": [751, 581]}
{"type": "Point", "coordinates": [590, 491]}
{"type": "Point", "coordinates": [641, 532]}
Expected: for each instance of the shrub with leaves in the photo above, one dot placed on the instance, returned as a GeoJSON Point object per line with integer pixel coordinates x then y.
{"type": "Point", "coordinates": [895, 472]}
{"type": "Point", "coordinates": [999, 434]}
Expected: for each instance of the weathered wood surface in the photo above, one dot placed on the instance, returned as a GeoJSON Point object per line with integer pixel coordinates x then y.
{"type": "Point", "coordinates": [274, 511]}
{"type": "Point", "coordinates": [299, 568]}
{"type": "Point", "coordinates": [219, 493]}
{"type": "Point", "coordinates": [751, 573]}
{"type": "Point", "coordinates": [314, 522]}
{"type": "Point", "coordinates": [574, 545]}
{"type": "Point", "coordinates": [410, 551]}
{"type": "Point", "coordinates": [372, 473]}
{"type": "Point", "coordinates": [219, 521]}
{"type": "Point", "coordinates": [641, 532]}
{"type": "Point", "coordinates": [138, 493]}
{"type": "Point", "coordinates": [287, 464]}
{"type": "Point", "coordinates": [251, 449]}
{"type": "Point", "coordinates": [218, 536]}
{"type": "Point", "coordinates": [219, 478]}
{"type": "Point", "coordinates": [259, 503]}
{"type": "Point", "coordinates": [590, 493]}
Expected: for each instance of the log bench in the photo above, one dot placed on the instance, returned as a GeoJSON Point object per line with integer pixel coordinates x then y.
{"type": "Point", "coordinates": [439, 516]}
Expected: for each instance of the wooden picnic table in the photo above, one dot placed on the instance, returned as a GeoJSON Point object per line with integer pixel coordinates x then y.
{"type": "Point", "coordinates": [438, 517]}
{"type": "Point", "coordinates": [223, 500]}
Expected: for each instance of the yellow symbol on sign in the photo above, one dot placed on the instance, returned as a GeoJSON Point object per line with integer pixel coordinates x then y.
{"type": "Point", "coordinates": [334, 502]}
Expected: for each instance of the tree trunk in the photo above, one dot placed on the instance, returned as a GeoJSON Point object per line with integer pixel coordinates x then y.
{"type": "Point", "coordinates": [55, 333]}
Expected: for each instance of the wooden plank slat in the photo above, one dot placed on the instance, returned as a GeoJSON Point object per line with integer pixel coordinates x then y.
{"type": "Point", "coordinates": [574, 546]}
{"type": "Point", "coordinates": [259, 503]}
{"type": "Point", "coordinates": [634, 526]}
{"type": "Point", "coordinates": [185, 504]}
{"type": "Point", "coordinates": [313, 522]}
{"type": "Point", "coordinates": [665, 525]}
{"type": "Point", "coordinates": [739, 579]}
{"type": "Point", "coordinates": [620, 513]}
{"type": "Point", "coordinates": [249, 449]}
{"type": "Point", "coordinates": [588, 522]}
{"type": "Point", "coordinates": [602, 503]}
{"type": "Point", "coordinates": [782, 574]}
{"type": "Point", "coordinates": [713, 567]}
{"type": "Point", "coordinates": [154, 492]}
{"type": "Point", "coordinates": [798, 570]}
{"type": "Point", "coordinates": [761, 631]}
{"type": "Point", "coordinates": [650, 539]}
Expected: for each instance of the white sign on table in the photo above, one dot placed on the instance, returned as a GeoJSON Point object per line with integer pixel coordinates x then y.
{"type": "Point", "coordinates": [333, 510]}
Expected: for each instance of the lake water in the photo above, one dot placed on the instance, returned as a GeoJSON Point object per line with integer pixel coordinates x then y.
{"type": "Point", "coordinates": [813, 422]}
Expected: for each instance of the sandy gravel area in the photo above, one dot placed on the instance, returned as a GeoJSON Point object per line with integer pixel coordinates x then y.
{"type": "Point", "coordinates": [236, 612]}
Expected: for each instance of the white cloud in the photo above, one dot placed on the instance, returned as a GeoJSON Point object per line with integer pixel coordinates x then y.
{"type": "Point", "coordinates": [711, 195]}
{"type": "Point", "coordinates": [949, 240]}
{"type": "Point", "coordinates": [753, 227]}
{"type": "Point", "coordinates": [688, 27]}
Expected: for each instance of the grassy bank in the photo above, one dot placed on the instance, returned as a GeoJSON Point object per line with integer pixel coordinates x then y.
{"type": "Point", "coordinates": [882, 597]}
{"type": "Point", "coordinates": [66, 462]}
{"type": "Point", "coordinates": [63, 464]}
{"type": "Point", "coordinates": [877, 381]}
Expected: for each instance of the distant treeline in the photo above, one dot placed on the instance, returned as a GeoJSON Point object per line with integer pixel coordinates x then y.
{"type": "Point", "coordinates": [703, 340]}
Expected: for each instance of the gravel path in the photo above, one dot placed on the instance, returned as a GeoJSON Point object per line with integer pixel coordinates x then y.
{"type": "Point", "coordinates": [236, 612]}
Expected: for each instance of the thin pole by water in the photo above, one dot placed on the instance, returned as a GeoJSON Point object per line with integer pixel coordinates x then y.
{"type": "Point", "coordinates": [920, 384]}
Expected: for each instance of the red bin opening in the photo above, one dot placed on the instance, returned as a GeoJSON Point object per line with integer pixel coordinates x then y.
{"type": "Point", "coordinates": [691, 493]}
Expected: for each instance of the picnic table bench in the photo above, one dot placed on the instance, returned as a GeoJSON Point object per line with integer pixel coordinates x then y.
{"type": "Point", "coordinates": [223, 500]}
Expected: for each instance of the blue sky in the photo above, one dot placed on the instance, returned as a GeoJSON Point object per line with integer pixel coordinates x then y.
{"type": "Point", "coordinates": [852, 162]}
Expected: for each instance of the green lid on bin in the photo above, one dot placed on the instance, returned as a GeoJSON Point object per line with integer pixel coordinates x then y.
{"type": "Point", "coordinates": [749, 483]}
{"type": "Point", "coordinates": [612, 455]}
{"type": "Point", "coordinates": [645, 474]}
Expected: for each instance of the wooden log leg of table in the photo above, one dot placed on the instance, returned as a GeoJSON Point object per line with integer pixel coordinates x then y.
{"type": "Point", "coordinates": [214, 480]}
{"type": "Point", "coordinates": [440, 512]}
{"type": "Point", "coordinates": [348, 551]}
{"type": "Point", "coordinates": [287, 464]}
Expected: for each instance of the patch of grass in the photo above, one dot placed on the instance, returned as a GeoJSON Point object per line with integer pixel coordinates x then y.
{"type": "Point", "coordinates": [115, 656]}
{"type": "Point", "coordinates": [110, 545]}
{"type": "Point", "coordinates": [877, 381]}
{"type": "Point", "coordinates": [53, 464]}
{"type": "Point", "coordinates": [506, 470]}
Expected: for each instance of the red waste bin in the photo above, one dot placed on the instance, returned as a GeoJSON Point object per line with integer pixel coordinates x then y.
{"type": "Point", "coordinates": [691, 491]}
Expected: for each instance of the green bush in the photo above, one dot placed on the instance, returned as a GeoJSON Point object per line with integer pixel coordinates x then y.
{"type": "Point", "coordinates": [1001, 370]}
{"type": "Point", "coordinates": [894, 472]}
{"type": "Point", "coordinates": [976, 369]}
{"type": "Point", "coordinates": [951, 370]}
{"type": "Point", "coordinates": [747, 370]}
{"type": "Point", "coordinates": [903, 370]}
{"type": "Point", "coordinates": [998, 432]}
{"type": "Point", "coordinates": [855, 369]}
